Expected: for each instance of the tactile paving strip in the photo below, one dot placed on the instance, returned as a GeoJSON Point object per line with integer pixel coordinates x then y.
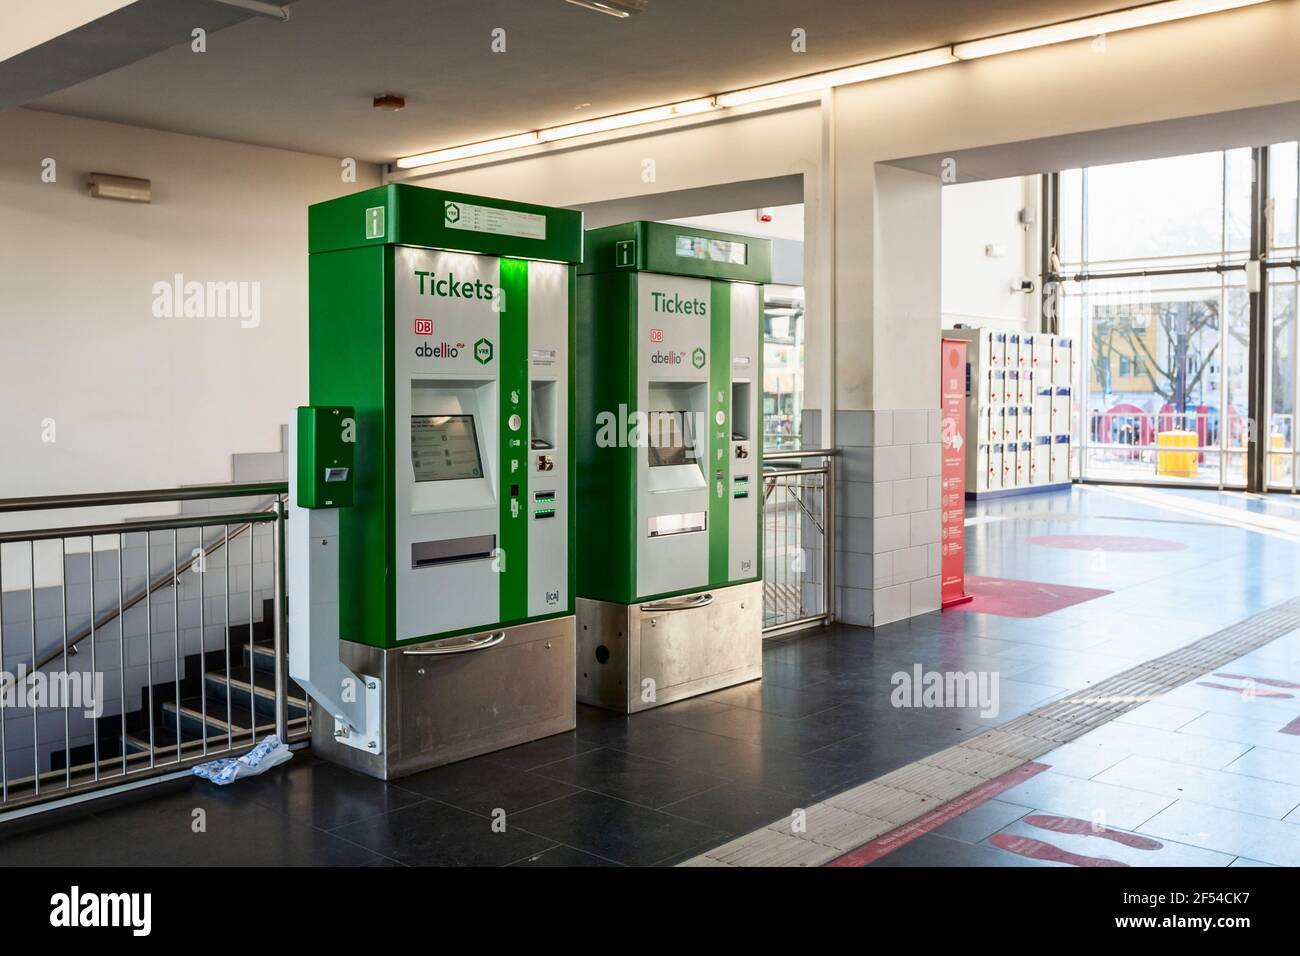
{"type": "Point", "coordinates": [827, 830]}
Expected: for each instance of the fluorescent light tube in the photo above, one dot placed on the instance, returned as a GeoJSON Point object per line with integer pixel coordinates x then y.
{"type": "Point", "coordinates": [1095, 26]}
{"type": "Point", "coordinates": [850, 74]}
{"type": "Point", "coordinates": [465, 152]}
{"type": "Point", "coordinates": [604, 124]}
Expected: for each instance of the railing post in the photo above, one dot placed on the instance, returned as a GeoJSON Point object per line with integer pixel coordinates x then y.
{"type": "Point", "coordinates": [828, 541]}
{"type": "Point", "coordinates": [281, 645]}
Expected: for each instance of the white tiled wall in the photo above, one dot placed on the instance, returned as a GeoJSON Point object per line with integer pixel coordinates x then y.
{"type": "Point", "coordinates": [887, 525]}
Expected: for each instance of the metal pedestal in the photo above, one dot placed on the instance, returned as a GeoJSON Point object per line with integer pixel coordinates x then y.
{"type": "Point", "coordinates": [454, 698]}
{"type": "Point", "coordinates": [638, 656]}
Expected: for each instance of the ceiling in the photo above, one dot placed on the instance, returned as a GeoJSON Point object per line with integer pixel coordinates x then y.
{"type": "Point", "coordinates": [307, 84]}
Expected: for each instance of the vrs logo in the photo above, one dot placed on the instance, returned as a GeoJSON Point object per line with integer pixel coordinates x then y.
{"type": "Point", "coordinates": [452, 212]}
{"type": "Point", "coordinates": [482, 351]}
{"type": "Point", "coordinates": [697, 358]}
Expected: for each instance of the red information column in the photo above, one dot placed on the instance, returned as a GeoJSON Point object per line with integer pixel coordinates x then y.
{"type": "Point", "coordinates": [952, 535]}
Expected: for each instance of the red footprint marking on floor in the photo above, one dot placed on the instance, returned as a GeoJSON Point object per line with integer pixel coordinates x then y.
{"type": "Point", "coordinates": [1246, 691]}
{"type": "Point", "coordinates": [1270, 681]}
{"type": "Point", "coordinates": [1038, 850]}
{"type": "Point", "coordinates": [1077, 827]}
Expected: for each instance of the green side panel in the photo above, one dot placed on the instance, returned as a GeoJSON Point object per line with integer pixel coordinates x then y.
{"type": "Point", "coordinates": [574, 502]}
{"type": "Point", "coordinates": [350, 341]}
{"type": "Point", "coordinates": [606, 466]}
{"type": "Point", "coordinates": [402, 214]}
{"type": "Point", "coordinates": [516, 512]}
{"type": "Point", "coordinates": [326, 473]}
{"type": "Point", "coordinates": [719, 471]}
{"type": "Point", "coordinates": [678, 250]}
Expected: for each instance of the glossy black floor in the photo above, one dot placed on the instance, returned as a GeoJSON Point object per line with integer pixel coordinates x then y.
{"type": "Point", "coordinates": [665, 785]}
{"type": "Point", "coordinates": [651, 789]}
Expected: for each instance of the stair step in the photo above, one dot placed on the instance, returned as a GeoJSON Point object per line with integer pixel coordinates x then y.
{"type": "Point", "coordinates": [263, 656]}
{"type": "Point", "coordinates": [218, 721]}
{"type": "Point", "coordinates": [262, 687]}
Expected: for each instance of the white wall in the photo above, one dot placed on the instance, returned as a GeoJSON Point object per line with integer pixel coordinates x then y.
{"type": "Point", "coordinates": [139, 401]}
{"type": "Point", "coordinates": [977, 286]}
{"type": "Point", "coordinates": [28, 23]}
{"type": "Point", "coordinates": [787, 222]}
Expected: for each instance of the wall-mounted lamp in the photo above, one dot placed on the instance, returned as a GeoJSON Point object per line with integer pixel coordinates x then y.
{"type": "Point", "coordinates": [106, 186]}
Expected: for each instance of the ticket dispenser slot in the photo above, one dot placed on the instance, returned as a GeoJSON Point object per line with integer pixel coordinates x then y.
{"type": "Point", "coordinates": [544, 422]}
{"type": "Point", "coordinates": [676, 436]}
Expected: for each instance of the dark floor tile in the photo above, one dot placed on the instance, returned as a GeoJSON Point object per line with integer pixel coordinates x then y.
{"type": "Point", "coordinates": [783, 701]}
{"type": "Point", "coordinates": [544, 751]}
{"type": "Point", "coordinates": [563, 856]}
{"type": "Point", "coordinates": [616, 830]}
{"type": "Point", "coordinates": [791, 734]}
{"type": "Point", "coordinates": [934, 850]}
{"type": "Point", "coordinates": [639, 780]}
{"type": "Point", "coordinates": [433, 834]}
{"type": "Point", "coordinates": [326, 795]}
{"type": "Point", "coordinates": [483, 786]}
{"type": "Point", "coordinates": [736, 809]}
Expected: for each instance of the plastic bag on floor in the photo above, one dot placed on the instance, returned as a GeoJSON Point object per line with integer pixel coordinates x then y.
{"type": "Point", "coordinates": [269, 753]}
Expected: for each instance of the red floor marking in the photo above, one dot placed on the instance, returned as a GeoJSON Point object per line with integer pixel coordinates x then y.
{"type": "Point", "coordinates": [1038, 850]}
{"type": "Point", "coordinates": [1011, 598]}
{"type": "Point", "coordinates": [1246, 691]}
{"type": "Point", "coordinates": [1270, 681]}
{"type": "Point", "coordinates": [1077, 827]}
{"type": "Point", "coordinates": [1292, 728]}
{"type": "Point", "coordinates": [1106, 542]}
{"type": "Point", "coordinates": [889, 842]}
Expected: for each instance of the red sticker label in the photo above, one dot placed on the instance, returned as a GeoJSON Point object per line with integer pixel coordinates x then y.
{"type": "Point", "coordinates": [424, 326]}
{"type": "Point", "coordinates": [656, 335]}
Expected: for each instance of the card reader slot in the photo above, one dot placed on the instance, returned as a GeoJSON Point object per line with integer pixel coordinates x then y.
{"type": "Point", "coordinates": [428, 554]}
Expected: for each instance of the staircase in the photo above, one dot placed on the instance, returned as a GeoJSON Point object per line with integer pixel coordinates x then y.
{"type": "Point", "coordinates": [232, 707]}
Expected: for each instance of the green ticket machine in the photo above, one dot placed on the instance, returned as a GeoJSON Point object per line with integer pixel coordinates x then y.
{"type": "Point", "coordinates": [432, 503]}
{"type": "Point", "coordinates": [670, 447]}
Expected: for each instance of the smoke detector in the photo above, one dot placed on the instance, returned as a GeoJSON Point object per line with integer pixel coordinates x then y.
{"type": "Point", "coordinates": [615, 8]}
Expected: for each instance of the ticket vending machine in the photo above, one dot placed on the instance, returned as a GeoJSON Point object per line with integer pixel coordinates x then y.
{"type": "Point", "coordinates": [431, 607]}
{"type": "Point", "coordinates": [670, 448]}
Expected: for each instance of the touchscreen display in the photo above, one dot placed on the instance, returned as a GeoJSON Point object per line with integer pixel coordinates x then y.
{"type": "Point", "coordinates": [445, 447]}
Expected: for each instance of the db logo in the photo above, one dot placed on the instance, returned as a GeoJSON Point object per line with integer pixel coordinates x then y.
{"type": "Point", "coordinates": [656, 335]}
{"type": "Point", "coordinates": [424, 326]}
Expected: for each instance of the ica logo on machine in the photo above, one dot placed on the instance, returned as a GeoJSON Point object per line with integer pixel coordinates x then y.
{"type": "Point", "coordinates": [449, 287]}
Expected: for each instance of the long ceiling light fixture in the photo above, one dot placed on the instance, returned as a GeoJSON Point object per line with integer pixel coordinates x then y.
{"type": "Point", "coordinates": [1084, 28]}
{"type": "Point", "coordinates": [1088, 27]}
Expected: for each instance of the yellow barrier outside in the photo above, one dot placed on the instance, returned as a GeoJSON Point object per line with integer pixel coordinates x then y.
{"type": "Point", "coordinates": [1176, 464]}
{"type": "Point", "coordinates": [1279, 466]}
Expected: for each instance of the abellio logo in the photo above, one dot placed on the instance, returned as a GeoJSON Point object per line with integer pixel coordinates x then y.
{"type": "Point", "coordinates": [442, 350]}
{"type": "Point", "coordinates": [667, 358]}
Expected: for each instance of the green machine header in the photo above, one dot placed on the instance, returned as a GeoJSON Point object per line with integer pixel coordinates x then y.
{"type": "Point", "coordinates": [670, 249]}
{"type": "Point", "coordinates": [414, 216]}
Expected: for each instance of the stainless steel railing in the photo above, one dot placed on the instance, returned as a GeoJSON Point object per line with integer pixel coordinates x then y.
{"type": "Point", "coordinates": [157, 626]}
{"type": "Point", "coordinates": [798, 543]}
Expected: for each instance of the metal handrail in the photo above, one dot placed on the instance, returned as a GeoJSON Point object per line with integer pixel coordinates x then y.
{"type": "Point", "coordinates": [79, 776]}
{"type": "Point", "coordinates": [152, 496]}
{"type": "Point", "coordinates": [826, 469]}
{"type": "Point", "coordinates": [789, 453]}
{"type": "Point", "coordinates": [192, 493]}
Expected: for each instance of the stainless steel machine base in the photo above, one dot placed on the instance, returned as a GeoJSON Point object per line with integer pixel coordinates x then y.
{"type": "Point", "coordinates": [638, 656]}
{"type": "Point", "coordinates": [454, 698]}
